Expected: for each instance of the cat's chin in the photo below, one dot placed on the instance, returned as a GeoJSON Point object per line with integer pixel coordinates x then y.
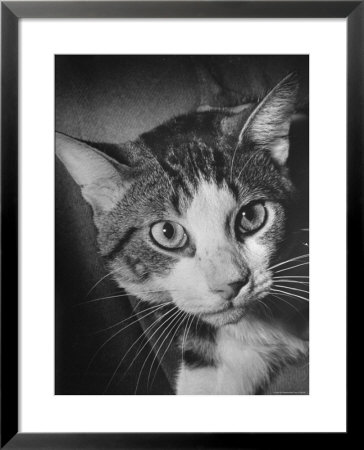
{"type": "Point", "coordinates": [227, 317]}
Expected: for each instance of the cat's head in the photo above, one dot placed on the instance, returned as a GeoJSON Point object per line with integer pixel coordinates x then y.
{"type": "Point", "coordinates": [195, 210]}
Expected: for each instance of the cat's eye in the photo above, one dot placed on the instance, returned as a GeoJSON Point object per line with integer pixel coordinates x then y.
{"type": "Point", "coordinates": [251, 218]}
{"type": "Point", "coordinates": [168, 235]}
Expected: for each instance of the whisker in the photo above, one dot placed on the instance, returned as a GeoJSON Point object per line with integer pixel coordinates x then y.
{"type": "Point", "coordinates": [112, 337]}
{"type": "Point", "coordinates": [291, 276]}
{"type": "Point", "coordinates": [174, 316]}
{"type": "Point", "coordinates": [244, 166]}
{"type": "Point", "coordinates": [293, 289]}
{"type": "Point", "coordinates": [101, 279]}
{"type": "Point", "coordinates": [189, 328]}
{"type": "Point", "coordinates": [170, 343]}
{"type": "Point", "coordinates": [151, 351]}
{"type": "Point", "coordinates": [125, 295]}
{"type": "Point", "coordinates": [290, 294]}
{"type": "Point", "coordinates": [136, 314]}
{"type": "Point", "coordinates": [289, 260]}
{"type": "Point", "coordinates": [306, 283]}
{"type": "Point", "coordinates": [290, 304]}
{"type": "Point", "coordinates": [146, 330]}
{"type": "Point", "coordinates": [292, 267]}
{"type": "Point", "coordinates": [277, 305]}
{"type": "Point", "coordinates": [101, 298]}
{"type": "Point", "coordinates": [197, 321]}
{"type": "Point", "coordinates": [150, 338]}
{"type": "Point", "coordinates": [184, 335]}
{"type": "Point", "coordinates": [267, 308]}
{"type": "Point", "coordinates": [143, 335]}
{"type": "Point", "coordinates": [138, 303]}
{"type": "Point", "coordinates": [179, 320]}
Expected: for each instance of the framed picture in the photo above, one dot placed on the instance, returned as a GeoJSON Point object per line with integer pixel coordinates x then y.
{"type": "Point", "coordinates": [169, 170]}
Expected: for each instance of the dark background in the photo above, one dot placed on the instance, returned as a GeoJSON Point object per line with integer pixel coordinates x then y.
{"type": "Point", "coordinates": [113, 99]}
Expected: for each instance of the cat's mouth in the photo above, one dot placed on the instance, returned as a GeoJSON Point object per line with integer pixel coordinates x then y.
{"type": "Point", "coordinates": [227, 315]}
{"type": "Point", "coordinates": [232, 312]}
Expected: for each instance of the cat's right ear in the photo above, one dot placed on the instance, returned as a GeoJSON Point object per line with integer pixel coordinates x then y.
{"type": "Point", "coordinates": [102, 180]}
{"type": "Point", "coordinates": [267, 125]}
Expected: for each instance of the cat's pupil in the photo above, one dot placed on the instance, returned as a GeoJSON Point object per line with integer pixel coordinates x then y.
{"type": "Point", "coordinates": [249, 213]}
{"type": "Point", "coordinates": [168, 230]}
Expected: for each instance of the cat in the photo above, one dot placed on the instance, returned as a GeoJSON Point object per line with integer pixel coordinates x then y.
{"type": "Point", "coordinates": [191, 217]}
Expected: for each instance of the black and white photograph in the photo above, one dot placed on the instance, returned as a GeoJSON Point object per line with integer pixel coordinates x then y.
{"type": "Point", "coordinates": [182, 224]}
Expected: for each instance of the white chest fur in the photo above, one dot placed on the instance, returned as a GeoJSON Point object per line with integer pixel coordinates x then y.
{"type": "Point", "coordinates": [245, 352]}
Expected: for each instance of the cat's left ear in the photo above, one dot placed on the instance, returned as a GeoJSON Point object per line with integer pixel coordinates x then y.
{"type": "Point", "coordinates": [267, 127]}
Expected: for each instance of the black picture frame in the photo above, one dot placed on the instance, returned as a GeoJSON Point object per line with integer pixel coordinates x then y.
{"type": "Point", "coordinates": [11, 12]}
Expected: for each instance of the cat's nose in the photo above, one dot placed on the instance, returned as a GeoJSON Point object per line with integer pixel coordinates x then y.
{"type": "Point", "coordinates": [229, 291]}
